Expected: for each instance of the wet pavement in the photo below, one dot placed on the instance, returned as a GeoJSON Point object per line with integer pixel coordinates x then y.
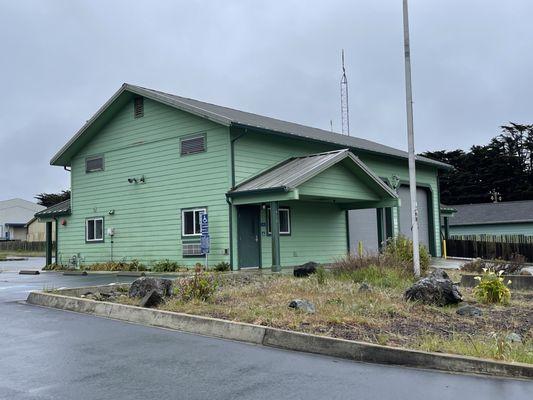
{"type": "Point", "coordinates": [52, 354]}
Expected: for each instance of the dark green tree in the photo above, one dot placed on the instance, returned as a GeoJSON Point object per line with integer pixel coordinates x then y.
{"type": "Point", "coordinates": [50, 199]}
{"type": "Point", "coordinates": [504, 164]}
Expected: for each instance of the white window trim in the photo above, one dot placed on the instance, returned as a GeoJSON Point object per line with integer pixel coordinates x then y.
{"type": "Point", "coordinates": [87, 229]}
{"type": "Point", "coordinates": [193, 210]}
{"type": "Point", "coordinates": [269, 228]}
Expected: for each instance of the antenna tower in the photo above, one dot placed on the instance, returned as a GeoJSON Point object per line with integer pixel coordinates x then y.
{"type": "Point", "coordinates": [345, 111]}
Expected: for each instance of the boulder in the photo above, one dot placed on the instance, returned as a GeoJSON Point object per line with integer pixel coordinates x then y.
{"type": "Point", "coordinates": [303, 305]}
{"type": "Point", "coordinates": [152, 299]}
{"type": "Point", "coordinates": [469, 311]}
{"type": "Point", "coordinates": [144, 285]}
{"type": "Point", "coordinates": [436, 289]}
{"type": "Point", "coordinates": [305, 269]}
{"type": "Point", "coordinates": [365, 288]}
{"type": "Point", "coordinates": [513, 338]}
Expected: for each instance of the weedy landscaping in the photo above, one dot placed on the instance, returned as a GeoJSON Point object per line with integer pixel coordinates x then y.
{"type": "Point", "coordinates": [379, 315]}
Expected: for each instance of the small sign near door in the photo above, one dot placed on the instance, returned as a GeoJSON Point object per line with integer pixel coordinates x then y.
{"type": "Point", "coordinates": [205, 242]}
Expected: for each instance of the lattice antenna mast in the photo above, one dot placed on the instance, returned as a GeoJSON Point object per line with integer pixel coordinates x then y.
{"type": "Point", "coordinates": [345, 111]}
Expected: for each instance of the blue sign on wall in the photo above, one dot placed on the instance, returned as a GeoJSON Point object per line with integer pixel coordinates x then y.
{"type": "Point", "coordinates": [205, 240]}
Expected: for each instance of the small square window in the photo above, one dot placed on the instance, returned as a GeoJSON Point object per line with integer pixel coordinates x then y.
{"type": "Point", "coordinates": [190, 221]}
{"type": "Point", "coordinates": [94, 229]}
{"type": "Point", "coordinates": [284, 221]}
{"type": "Point", "coordinates": [94, 164]}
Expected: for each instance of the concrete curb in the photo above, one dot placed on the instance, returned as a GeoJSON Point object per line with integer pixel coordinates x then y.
{"type": "Point", "coordinates": [288, 340]}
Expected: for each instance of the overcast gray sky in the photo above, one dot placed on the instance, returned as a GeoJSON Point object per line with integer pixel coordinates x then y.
{"type": "Point", "coordinates": [61, 60]}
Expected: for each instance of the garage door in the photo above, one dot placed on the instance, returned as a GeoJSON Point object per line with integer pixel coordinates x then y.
{"type": "Point", "coordinates": [363, 227]}
{"type": "Point", "coordinates": [423, 215]}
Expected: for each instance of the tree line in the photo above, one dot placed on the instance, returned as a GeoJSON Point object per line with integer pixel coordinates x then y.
{"type": "Point", "coordinates": [504, 164]}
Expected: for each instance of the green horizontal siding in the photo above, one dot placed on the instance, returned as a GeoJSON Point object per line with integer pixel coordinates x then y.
{"type": "Point", "coordinates": [337, 182]}
{"type": "Point", "coordinates": [318, 233]}
{"type": "Point", "coordinates": [147, 217]}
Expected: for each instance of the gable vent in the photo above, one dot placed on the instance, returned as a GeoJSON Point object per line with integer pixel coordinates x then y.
{"type": "Point", "coordinates": [193, 145]}
{"type": "Point", "coordinates": [138, 107]}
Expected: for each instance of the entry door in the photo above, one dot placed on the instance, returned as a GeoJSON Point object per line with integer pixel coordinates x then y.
{"type": "Point", "coordinates": [248, 229]}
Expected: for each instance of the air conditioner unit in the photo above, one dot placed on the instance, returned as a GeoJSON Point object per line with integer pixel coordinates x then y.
{"type": "Point", "coordinates": [192, 249]}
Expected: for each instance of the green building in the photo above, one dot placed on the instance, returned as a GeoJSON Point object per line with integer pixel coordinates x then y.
{"type": "Point", "coordinates": [148, 164]}
{"type": "Point", "coordinates": [492, 219]}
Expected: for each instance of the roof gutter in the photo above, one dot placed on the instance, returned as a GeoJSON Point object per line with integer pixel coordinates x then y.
{"type": "Point", "coordinates": [284, 189]}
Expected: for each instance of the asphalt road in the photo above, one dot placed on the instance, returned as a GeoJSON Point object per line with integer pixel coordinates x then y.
{"type": "Point", "coordinates": [52, 354]}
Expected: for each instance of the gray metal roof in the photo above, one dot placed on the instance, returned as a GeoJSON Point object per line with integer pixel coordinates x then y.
{"type": "Point", "coordinates": [62, 208]}
{"type": "Point", "coordinates": [493, 213]}
{"type": "Point", "coordinates": [291, 173]}
{"type": "Point", "coordinates": [229, 116]}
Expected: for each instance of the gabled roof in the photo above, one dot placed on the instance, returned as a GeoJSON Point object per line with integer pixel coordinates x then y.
{"type": "Point", "coordinates": [231, 117]}
{"type": "Point", "coordinates": [62, 208]}
{"type": "Point", "coordinates": [290, 174]}
{"type": "Point", "coordinates": [493, 213]}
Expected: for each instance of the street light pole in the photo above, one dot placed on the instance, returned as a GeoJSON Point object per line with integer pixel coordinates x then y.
{"type": "Point", "coordinates": [411, 140]}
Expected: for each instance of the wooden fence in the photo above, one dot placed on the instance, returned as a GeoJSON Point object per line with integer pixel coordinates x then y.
{"type": "Point", "coordinates": [490, 246]}
{"type": "Point", "coordinates": [21, 246]}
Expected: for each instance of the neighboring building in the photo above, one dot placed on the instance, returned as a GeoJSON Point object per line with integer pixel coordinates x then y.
{"type": "Point", "coordinates": [14, 214]}
{"type": "Point", "coordinates": [36, 231]}
{"type": "Point", "coordinates": [505, 218]}
{"type": "Point", "coordinates": [148, 164]}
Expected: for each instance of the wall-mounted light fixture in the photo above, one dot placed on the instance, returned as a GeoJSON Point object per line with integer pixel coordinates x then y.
{"type": "Point", "coordinates": [142, 179]}
{"type": "Point", "coordinates": [111, 212]}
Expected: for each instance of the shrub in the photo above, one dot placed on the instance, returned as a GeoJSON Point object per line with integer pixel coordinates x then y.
{"type": "Point", "coordinates": [491, 288]}
{"type": "Point", "coordinates": [222, 266]}
{"type": "Point", "coordinates": [166, 266]}
{"type": "Point", "coordinates": [397, 253]}
{"type": "Point", "coordinates": [514, 265]}
{"type": "Point", "coordinates": [321, 275]}
{"type": "Point", "coordinates": [400, 251]}
{"type": "Point", "coordinates": [201, 286]}
{"type": "Point", "coordinates": [134, 265]}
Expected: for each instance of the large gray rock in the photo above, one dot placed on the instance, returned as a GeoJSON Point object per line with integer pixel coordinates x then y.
{"type": "Point", "coordinates": [305, 269]}
{"type": "Point", "coordinates": [303, 305]}
{"type": "Point", "coordinates": [144, 285]}
{"type": "Point", "coordinates": [436, 289]}
{"type": "Point", "coordinates": [152, 299]}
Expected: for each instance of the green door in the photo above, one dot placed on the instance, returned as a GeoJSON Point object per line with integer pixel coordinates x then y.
{"type": "Point", "coordinates": [248, 229]}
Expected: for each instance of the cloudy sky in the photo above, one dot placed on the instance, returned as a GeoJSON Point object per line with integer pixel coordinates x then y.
{"type": "Point", "coordinates": [61, 60]}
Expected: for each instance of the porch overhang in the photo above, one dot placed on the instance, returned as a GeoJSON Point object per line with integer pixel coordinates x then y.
{"type": "Point", "coordinates": [337, 177]}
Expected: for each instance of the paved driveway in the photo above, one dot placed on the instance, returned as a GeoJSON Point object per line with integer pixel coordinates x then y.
{"type": "Point", "coordinates": [52, 354]}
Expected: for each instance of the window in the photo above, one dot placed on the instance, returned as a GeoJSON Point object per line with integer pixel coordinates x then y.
{"type": "Point", "coordinates": [94, 163]}
{"type": "Point", "coordinates": [138, 107]}
{"type": "Point", "coordinates": [190, 221]}
{"type": "Point", "coordinates": [192, 144]}
{"type": "Point", "coordinates": [284, 221]}
{"type": "Point", "coordinates": [94, 229]}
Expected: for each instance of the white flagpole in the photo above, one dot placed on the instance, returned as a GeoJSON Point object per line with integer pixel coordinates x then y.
{"type": "Point", "coordinates": [411, 140]}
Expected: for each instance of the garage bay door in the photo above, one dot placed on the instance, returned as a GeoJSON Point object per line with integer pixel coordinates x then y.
{"type": "Point", "coordinates": [363, 227]}
{"type": "Point", "coordinates": [423, 215]}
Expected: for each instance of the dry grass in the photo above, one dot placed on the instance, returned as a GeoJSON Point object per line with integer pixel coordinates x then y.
{"type": "Point", "coordinates": [381, 316]}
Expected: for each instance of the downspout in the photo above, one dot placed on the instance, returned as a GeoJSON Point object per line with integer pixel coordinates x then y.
{"type": "Point", "coordinates": [56, 252]}
{"type": "Point", "coordinates": [230, 205]}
